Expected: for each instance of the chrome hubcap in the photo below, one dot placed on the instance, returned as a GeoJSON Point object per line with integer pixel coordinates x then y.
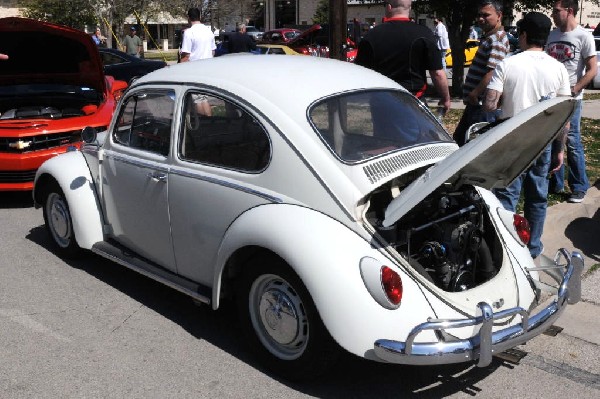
{"type": "Point", "coordinates": [59, 219]}
{"type": "Point", "coordinates": [278, 317]}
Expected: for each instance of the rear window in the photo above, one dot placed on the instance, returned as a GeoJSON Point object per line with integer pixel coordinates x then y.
{"type": "Point", "coordinates": [363, 125]}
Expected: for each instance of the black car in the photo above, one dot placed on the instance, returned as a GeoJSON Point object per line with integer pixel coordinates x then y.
{"type": "Point", "coordinates": [123, 66]}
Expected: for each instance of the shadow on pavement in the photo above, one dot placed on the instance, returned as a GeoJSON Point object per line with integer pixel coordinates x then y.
{"type": "Point", "coordinates": [583, 232]}
{"type": "Point", "coordinates": [16, 199]}
{"type": "Point", "coordinates": [353, 377]}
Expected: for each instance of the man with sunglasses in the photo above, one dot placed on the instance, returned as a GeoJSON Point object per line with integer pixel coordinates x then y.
{"type": "Point", "coordinates": [574, 46]}
{"type": "Point", "coordinates": [493, 47]}
{"type": "Point", "coordinates": [404, 51]}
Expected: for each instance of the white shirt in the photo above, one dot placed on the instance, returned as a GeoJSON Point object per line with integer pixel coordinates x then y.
{"type": "Point", "coordinates": [441, 34]}
{"type": "Point", "coordinates": [526, 78]}
{"type": "Point", "coordinates": [198, 42]}
{"type": "Point", "coordinates": [572, 49]}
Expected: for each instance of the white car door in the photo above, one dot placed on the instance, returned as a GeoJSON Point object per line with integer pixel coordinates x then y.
{"type": "Point", "coordinates": [135, 176]}
{"type": "Point", "coordinates": [221, 150]}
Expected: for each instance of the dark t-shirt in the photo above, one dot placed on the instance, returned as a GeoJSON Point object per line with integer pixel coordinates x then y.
{"type": "Point", "coordinates": [240, 43]}
{"type": "Point", "coordinates": [401, 50]}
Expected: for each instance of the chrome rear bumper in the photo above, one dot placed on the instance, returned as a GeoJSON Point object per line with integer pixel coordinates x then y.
{"type": "Point", "coordinates": [486, 343]}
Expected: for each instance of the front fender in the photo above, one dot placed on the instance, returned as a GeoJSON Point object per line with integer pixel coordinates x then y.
{"type": "Point", "coordinates": [71, 172]}
{"type": "Point", "coordinates": [326, 254]}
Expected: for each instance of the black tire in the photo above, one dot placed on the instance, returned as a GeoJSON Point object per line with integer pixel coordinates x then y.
{"type": "Point", "coordinates": [281, 323]}
{"type": "Point", "coordinates": [59, 225]}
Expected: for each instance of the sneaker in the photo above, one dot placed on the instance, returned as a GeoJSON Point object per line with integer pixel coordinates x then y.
{"type": "Point", "coordinates": [576, 197]}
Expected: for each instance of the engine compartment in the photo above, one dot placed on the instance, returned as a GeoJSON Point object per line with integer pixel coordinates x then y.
{"type": "Point", "coordinates": [448, 237]}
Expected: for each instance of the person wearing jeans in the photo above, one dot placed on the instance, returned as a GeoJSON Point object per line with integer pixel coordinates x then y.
{"type": "Point", "coordinates": [534, 183]}
{"type": "Point", "coordinates": [521, 81]}
{"type": "Point", "coordinates": [574, 47]}
{"type": "Point", "coordinates": [577, 177]}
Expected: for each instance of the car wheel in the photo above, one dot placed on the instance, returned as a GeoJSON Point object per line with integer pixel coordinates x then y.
{"type": "Point", "coordinates": [281, 322]}
{"type": "Point", "coordinates": [57, 218]}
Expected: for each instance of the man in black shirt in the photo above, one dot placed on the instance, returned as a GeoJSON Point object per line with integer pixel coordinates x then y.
{"type": "Point", "coordinates": [404, 51]}
{"type": "Point", "coordinates": [240, 42]}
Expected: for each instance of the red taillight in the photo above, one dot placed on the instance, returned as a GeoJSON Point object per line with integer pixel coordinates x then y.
{"type": "Point", "coordinates": [522, 227]}
{"type": "Point", "coordinates": [392, 285]}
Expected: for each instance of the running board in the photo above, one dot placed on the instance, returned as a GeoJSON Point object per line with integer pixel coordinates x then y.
{"type": "Point", "coordinates": [124, 257]}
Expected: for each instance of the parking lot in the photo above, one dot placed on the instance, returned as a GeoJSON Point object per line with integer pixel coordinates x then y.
{"type": "Point", "coordinates": [91, 328]}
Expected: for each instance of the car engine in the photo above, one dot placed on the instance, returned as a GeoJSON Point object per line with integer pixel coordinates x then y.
{"type": "Point", "coordinates": [448, 237]}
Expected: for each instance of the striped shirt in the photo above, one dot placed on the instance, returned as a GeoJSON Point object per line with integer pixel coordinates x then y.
{"type": "Point", "coordinates": [492, 49]}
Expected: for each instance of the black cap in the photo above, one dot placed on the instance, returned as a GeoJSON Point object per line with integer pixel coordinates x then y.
{"type": "Point", "coordinates": [536, 24]}
{"type": "Point", "coordinates": [133, 28]}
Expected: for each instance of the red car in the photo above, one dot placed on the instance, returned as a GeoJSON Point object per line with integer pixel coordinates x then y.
{"type": "Point", "coordinates": [315, 41]}
{"type": "Point", "coordinates": [280, 36]}
{"type": "Point", "coordinates": [51, 87]}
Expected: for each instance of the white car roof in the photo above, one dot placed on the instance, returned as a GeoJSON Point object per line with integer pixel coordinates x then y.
{"type": "Point", "coordinates": [285, 81]}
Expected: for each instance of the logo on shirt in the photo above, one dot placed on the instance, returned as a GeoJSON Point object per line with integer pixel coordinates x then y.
{"type": "Point", "coordinates": [561, 51]}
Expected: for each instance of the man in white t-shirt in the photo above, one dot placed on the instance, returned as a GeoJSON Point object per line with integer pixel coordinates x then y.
{"type": "Point", "coordinates": [198, 40]}
{"type": "Point", "coordinates": [522, 81]}
{"type": "Point", "coordinates": [198, 44]}
{"type": "Point", "coordinates": [574, 46]}
{"type": "Point", "coordinates": [441, 37]}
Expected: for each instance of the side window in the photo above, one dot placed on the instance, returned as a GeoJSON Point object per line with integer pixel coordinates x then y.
{"type": "Point", "coordinates": [220, 133]}
{"type": "Point", "coordinates": [145, 122]}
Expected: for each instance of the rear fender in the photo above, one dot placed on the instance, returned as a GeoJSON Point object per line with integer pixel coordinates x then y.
{"type": "Point", "coordinates": [71, 172]}
{"type": "Point", "coordinates": [326, 255]}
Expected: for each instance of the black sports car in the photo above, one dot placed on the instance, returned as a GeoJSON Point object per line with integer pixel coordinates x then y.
{"type": "Point", "coordinates": [123, 66]}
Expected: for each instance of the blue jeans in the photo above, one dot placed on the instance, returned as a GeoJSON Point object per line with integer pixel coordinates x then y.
{"type": "Point", "coordinates": [443, 54]}
{"type": "Point", "coordinates": [472, 114]}
{"type": "Point", "coordinates": [534, 182]}
{"type": "Point", "coordinates": [577, 177]}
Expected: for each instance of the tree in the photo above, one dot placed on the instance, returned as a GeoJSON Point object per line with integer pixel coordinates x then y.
{"type": "Point", "coordinates": [322, 12]}
{"type": "Point", "coordinates": [74, 13]}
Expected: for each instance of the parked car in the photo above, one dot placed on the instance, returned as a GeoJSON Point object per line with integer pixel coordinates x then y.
{"type": "Point", "coordinates": [279, 36]}
{"type": "Point", "coordinates": [595, 83]}
{"type": "Point", "coordinates": [315, 42]}
{"type": "Point", "coordinates": [471, 47]}
{"type": "Point", "coordinates": [123, 66]}
{"type": "Point", "coordinates": [342, 217]}
{"type": "Point", "coordinates": [254, 32]}
{"type": "Point", "coordinates": [275, 49]}
{"type": "Point", "coordinates": [48, 94]}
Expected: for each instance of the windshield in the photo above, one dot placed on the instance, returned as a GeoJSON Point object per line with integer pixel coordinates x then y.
{"type": "Point", "coordinates": [363, 125]}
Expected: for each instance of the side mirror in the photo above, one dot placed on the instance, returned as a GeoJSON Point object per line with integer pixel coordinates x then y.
{"type": "Point", "coordinates": [88, 135]}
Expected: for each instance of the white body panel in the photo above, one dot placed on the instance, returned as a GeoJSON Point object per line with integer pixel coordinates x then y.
{"type": "Point", "coordinates": [73, 176]}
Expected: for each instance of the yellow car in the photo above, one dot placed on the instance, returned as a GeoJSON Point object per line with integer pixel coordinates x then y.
{"type": "Point", "coordinates": [471, 47]}
{"type": "Point", "coordinates": [275, 49]}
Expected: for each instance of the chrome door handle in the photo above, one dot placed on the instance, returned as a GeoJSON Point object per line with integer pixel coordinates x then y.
{"type": "Point", "coordinates": [158, 177]}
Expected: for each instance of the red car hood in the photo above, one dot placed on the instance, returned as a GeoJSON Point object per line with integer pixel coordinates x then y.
{"type": "Point", "coordinates": [41, 52]}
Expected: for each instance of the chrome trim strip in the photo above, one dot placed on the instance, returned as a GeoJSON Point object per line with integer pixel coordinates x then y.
{"type": "Point", "coordinates": [136, 161]}
{"type": "Point", "coordinates": [199, 176]}
{"type": "Point", "coordinates": [162, 276]}
{"type": "Point", "coordinates": [224, 183]}
{"type": "Point", "coordinates": [485, 343]}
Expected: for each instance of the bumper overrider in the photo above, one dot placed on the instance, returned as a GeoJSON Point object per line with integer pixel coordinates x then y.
{"type": "Point", "coordinates": [566, 269]}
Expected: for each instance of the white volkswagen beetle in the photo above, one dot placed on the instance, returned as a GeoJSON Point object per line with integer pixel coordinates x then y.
{"type": "Point", "coordinates": [328, 202]}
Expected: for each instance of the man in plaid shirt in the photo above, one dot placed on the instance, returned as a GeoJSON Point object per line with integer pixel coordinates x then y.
{"type": "Point", "coordinates": [493, 47]}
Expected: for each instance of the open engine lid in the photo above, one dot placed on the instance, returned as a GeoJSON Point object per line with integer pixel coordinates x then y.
{"type": "Point", "coordinates": [493, 159]}
{"type": "Point", "coordinates": [41, 53]}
